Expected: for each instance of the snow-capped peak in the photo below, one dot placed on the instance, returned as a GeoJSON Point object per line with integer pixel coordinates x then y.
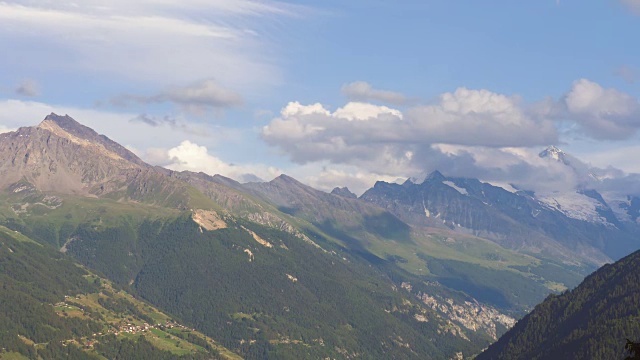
{"type": "Point", "coordinates": [432, 176]}
{"type": "Point", "coordinates": [554, 153]}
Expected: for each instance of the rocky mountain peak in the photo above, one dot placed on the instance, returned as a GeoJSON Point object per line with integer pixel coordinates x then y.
{"type": "Point", "coordinates": [61, 155]}
{"type": "Point", "coordinates": [68, 128]}
{"type": "Point", "coordinates": [344, 192]}
{"type": "Point", "coordinates": [435, 176]}
{"type": "Point", "coordinates": [285, 179]}
{"type": "Point", "coordinates": [65, 122]}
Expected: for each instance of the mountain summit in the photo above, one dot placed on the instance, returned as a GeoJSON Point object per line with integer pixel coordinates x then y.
{"type": "Point", "coordinates": [62, 156]}
{"type": "Point", "coordinates": [65, 126]}
{"type": "Point", "coordinates": [554, 153]}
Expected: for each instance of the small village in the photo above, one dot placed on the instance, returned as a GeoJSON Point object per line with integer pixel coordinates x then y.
{"type": "Point", "coordinates": [123, 328]}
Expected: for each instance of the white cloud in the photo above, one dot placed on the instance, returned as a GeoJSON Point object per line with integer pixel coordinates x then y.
{"type": "Point", "coordinates": [193, 157]}
{"type": "Point", "coordinates": [357, 180]}
{"type": "Point", "coordinates": [4, 129]}
{"type": "Point", "coordinates": [363, 91]}
{"type": "Point", "coordinates": [480, 118]}
{"type": "Point", "coordinates": [602, 113]}
{"type": "Point", "coordinates": [625, 158]}
{"type": "Point", "coordinates": [313, 133]}
{"type": "Point", "coordinates": [28, 87]}
{"type": "Point", "coordinates": [364, 111]}
{"type": "Point", "coordinates": [386, 138]}
{"type": "Point", "coordinates": [295, 108]}
{"type": "Point", "coordinates": [160, 42]}
{"type": "Point", "coordinates": [196, 98]}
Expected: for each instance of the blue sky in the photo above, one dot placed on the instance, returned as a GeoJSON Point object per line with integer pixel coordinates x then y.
{"type": "Point", "coordinates": [335, 92]}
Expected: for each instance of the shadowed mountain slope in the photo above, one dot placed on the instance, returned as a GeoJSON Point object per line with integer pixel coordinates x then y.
{"type": "Point", "coordinates": [590, 322]}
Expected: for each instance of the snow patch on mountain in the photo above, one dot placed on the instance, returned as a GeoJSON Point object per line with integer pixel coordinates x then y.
{"type": "Point", "coordinates": [619, 204]}
{"type": "Point", "coordinates": [573, 205]}
{"type": "Point", "coordinates": [461, 190]}
{"type": "Point", "coordinates": [504, 186]}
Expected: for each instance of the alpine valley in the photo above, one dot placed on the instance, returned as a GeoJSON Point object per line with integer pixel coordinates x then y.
{"type": "Point", "coordinates": [114, 258]}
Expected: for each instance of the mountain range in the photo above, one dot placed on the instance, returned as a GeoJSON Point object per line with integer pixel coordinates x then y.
{"type": "Point", "coordinates": [437, 268]}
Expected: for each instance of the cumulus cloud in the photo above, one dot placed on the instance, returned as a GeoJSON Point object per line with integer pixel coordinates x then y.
{"type": "Point", "coordinates": [481, 118]}
{"type": "Point", "coordinates": [363, 91]}
{"type": "Point", "coordinates": [603, 114]}
{"type": "Point", "coordinates": [28, 87]}
{"type": "Point", "coordinates": [193, 157]}
{"type": "Point", "coordinates": [313, 133]}
{"type": "Point", "coordinates": [196, 98]}
{"type": "Point", "coordinates": [199, 39]}
{"type": "Point", "coordinates": [366, 133]}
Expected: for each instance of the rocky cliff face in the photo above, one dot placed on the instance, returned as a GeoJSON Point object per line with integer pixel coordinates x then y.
{"type": "Point", "coordinates": [344, 192]}
{"type": "Point", "coordinates": [466, 314]}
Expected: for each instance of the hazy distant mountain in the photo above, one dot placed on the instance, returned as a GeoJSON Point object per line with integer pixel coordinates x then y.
{"type": "Point", "coordinates": [571, 226]}
{"type": "Point", "coordinates": [590, 322]}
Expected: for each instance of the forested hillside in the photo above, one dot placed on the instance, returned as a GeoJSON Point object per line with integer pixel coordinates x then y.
{"type": "Point", "coordinates": [51, 308]}
{"type": "Point", "coordinates": [267, 294]}
{"type": "Point", "coordinates": [589, 322]}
